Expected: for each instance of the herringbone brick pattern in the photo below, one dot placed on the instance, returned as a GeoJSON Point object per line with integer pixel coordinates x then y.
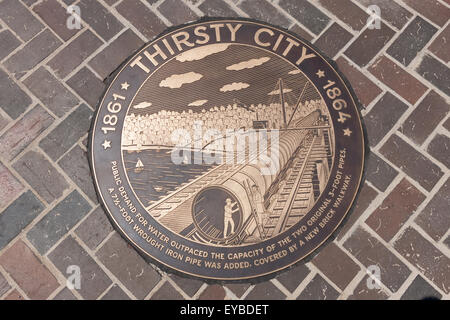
{"type": "Point", "coordinates": [51, 79]}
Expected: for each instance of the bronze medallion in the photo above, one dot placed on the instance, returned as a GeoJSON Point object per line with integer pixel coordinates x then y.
{"type": "Point", "coordinates": [227, 149]}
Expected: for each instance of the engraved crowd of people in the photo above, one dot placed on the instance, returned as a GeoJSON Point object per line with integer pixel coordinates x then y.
{"type": "Point", "coordinates": [156, 129]}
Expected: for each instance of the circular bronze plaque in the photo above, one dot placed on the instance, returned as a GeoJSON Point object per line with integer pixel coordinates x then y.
{"type": "Point", "coordinates": [227, 149]}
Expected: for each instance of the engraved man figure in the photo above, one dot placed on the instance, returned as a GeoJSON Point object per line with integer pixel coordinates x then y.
{"type": "Point", "coordinates": [228, 216]}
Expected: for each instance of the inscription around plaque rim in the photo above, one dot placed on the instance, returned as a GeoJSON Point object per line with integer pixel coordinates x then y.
{"type": "Point", "coordinates": [227, 149]}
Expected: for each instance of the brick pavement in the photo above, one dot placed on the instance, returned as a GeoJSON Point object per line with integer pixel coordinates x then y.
{"type": "Point", "coordinates": [51, 79]}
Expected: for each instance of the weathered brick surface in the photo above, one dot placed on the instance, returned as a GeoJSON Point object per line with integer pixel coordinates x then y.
{"type": "Point", "coordinates": [363, 292]}
{"type": "Point", "coordinates": [52, 227]}
{"type": "Point", "coordinates": [341, 271]}
{"type": "Point", "coordinates": [13, 100]}
{"type": "Point", "coordinates": [19, 19]}
{"type": "Point", "coordinates": [348, 12]}
{"type": "Point", "coordinates": [51, 92]}
{"type": "Point", "coordinates": [17, 216]}
{"type": "Point", "coordinates": [369, 251]}
{"type": "Point", "coordinates": [11, 188]}
{"type": "Point", "coordinates": [28, 271]}
{"type": "Point", "coordinates": [318, 289]}
{"type": "Point", "coordinates": [440, 46]}
{"type": "Point", "coordinates": [41, 175]}
{"type": "Point", "coordinates": [24, 132]}
{"type": "Point", "coordinates": [379, 172]}
{"type": "Point", "coordinates": [434, 218]}
{"type": "Point", "coordinates": [69, 131]}
{"type": "Point", "coordinates": [410, 161]}
{"type": "Point", "coordinates": [55, 16]}
{"type": "Point", "coordinates": [333, 39]}
{"type": "Point", "coordinates": [167, 292]}
{"type": "Point", "coordinates": [435, 72]}
{"type": "Point", "coordinates": [47, 202]}
{"type": "Point", "coordinates": [365, 89]}
{"type": "Point", "coordinates": [395, 210]}
{"type": "Point", "coordinates": [433, 263]}
{"type": "Point", "coordinates": [399, 80]}
{"type": "Point", "coordinates": [420, 289]}
{"type": "Point", "coordinates": [95, 228]}
{"type": "Point", "coordinates": [368, 44]}
{"type": "Point", "coordinates": [74, 53]}
{"type": "Point", "coordinates": [412, 40]}
{"type": "Point", "coordinates": [145, 20]}
{"type": "Point", "coordinates": [125, 263]}
{"type": "Point", "coordinates": [32, 53]}
{"type": "Point", "coordinates": [382, 117]}
{"type": "Point", "coordinates": [111, 57]}
{"type": "Point", "coordinates": [425, 117]}
{"type": "Point", "coordinates": [94, 280]}
{"type": "Point", "coordinates": [177, 12]}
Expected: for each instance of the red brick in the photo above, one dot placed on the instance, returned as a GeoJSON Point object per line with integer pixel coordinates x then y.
{"type": "Point", "coordinates": [363, 201]}
{"type": "Point", "coordinates": [24, 131]}
{"type": "Point", "coordinates": [425, 118]}
{"type": "Point", "coordinates": [365, 89]}
{"type": "Point", "coordinates": [19, 19]}
{"type": "Point", "coordinates": [14, 295]}
{"type": "Point", "coordinates": [368, 44]}
{"type": "Point", "coordinates": [382, 117]}
{"type": "Point", "coordinates": [301, 32]}
{"type": "Point", "coordinates": [264, 11]}
{"type": "Point", "coordinates": [397, 79]}
{"type": "Point", "coordinates": [379, 172]}
{"type": "Point", "coordinates": [75, 53]}
{"type": "Point", "coordinates": [213, 292]}
{"type": "Point", "coordinates": [265, 291]}
{"type": "Point", "coordinates": [434, 218]}
{"type": "Point", "coordinates": [432, 263]}
{"type": "Point", "coordinates": [395, 210]}
{"type": "Point", "coordinates": [88, 86]}
{"type": "Point", "coordinates": [217, 8]}
{"type": "Point", "coordinates": [105, 62]}
{"type": "Point", "coordinates": [99, 18]}
{"type": "Point", "coordinates": [441, 45]}
{"type": "Point", "coordinates": [439, 148]}
{"type": "Point", "coordinates": [238, 288]}
{"type": "Point", "coordinates": [10, 187]}
{"type": "Point", "coordinates": [362, 291]}
{"type": "Point", "coordinates": [431, 9]}
{"type": "Point", "coordinates": [348, 12]}
{"type": "Point", "coordinates": [55, 17]}
{"type": "Point", "coordinates": [292, 277]}
{"type": "Point", "coordinates": [435, 72]}
{"type": "Point", "coordinates": [188, 285]}
{"type": "Point", "coordinates": [142, 18]}
{"type": "Point", "coordinates": [336, 265]}
{"type": "Point", "coordinates": [391, 11]}
{"type": "Point", "coordinates": [318, 289]}
{"type": "Point", "coordinates": [369, 251]}
{"type": "Point", "coordinates": [302, 10]}
{"type": "Point", "coordinates": [412, 162]}
{"type": "Point", "coordinates": [333, 40]}
{"type": "Point", "coordinates": [28, 272]}
{"type": "Point", "coordinates": [167, 292]}
{"type": "Point", "coordinates": [8, 43]}
{"type": "Point", "coordinates": [126, 264]}
{"type": "Point", "coordinates": [177, 12]}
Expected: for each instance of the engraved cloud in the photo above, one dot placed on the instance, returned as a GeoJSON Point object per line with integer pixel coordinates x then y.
{"type": "Point", "coordinates": [202, 52]}
{"type": "Point", "coordinates": [177, 80]}
{"type": "Point", "coordinates": [235, 86]}
{"type": "Point", "coordinates": [142, 105]}
{"type": "Point", "coordinates": [197, 103]}
{"type": "Point", "coordinates": [248, 64]}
